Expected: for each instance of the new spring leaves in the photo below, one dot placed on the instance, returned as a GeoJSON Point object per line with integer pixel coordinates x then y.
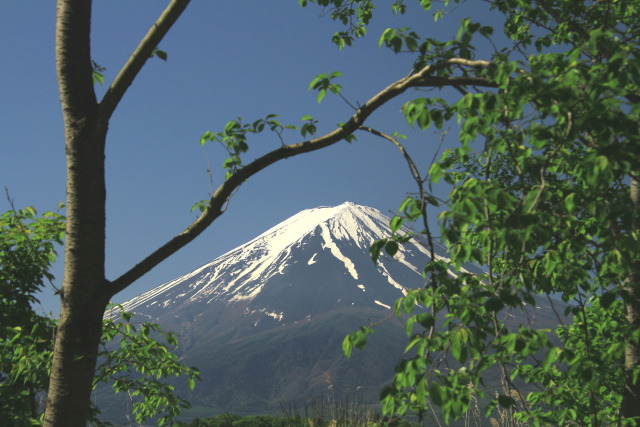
{"type": "Point", "coordinates": [236, 132]}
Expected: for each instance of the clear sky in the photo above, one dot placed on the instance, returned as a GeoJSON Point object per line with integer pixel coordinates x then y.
{"type": "Point", "coordinates": [226, 59]}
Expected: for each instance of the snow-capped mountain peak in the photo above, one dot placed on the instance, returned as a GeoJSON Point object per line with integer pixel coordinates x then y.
{"type": "Point", "coordinates": [346, 218]}
{"type": "Point", "coordinates": [267, 272]}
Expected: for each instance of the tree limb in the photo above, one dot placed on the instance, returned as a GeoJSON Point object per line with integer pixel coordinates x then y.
{"type": "Point", "coordinates": [73, 61]}
{"type": "Point", "coordinates": [143, 52]}
{"type": "Point", "coordinates": [225, 190]}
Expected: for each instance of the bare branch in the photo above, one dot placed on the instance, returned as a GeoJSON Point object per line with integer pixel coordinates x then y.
{"type": "Point", "coordinates": [140, 56]}
{"type": "Point", "coordinates": [415, 173]}
{"type": "Point", "coordinates": [412, 166]}
{"type": "Point", "coordinates": [226, 189]}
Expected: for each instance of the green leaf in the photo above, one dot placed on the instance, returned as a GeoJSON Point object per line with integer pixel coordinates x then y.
{"type": "Point", "coordinates": [569, 202]}
{"type": "Point", "coordinates": [434, 393]}
{"type": "Point", "coordinates": [506, 401]}
{"type": "Point", "coordinates": [350, 138]}
{"type": "Point", "coordinates": [201, 205]}
{"type": "Point", "coordinates": [456, 347]}
{"type": "Point", "coordinates": [98, 77]}
{"type": "Point", "coordinates": [391, 248]}
{"type": "Point", "coordinates": [551, 357]}
{"type": "Point", "coordinates": [347, 346]}
{"type": "Point", "coordinates": [160, 54]}
{"type": "Point", "coordinates": [494, 304]}
{"type": "Point", "coordinates": [607, 299]}
{"type": "Point", "coordinates": [426, 320]}
{"type": "Point", "coordinates": [396, 223]}
{"type": "Point", "coordinates": [375, 249]}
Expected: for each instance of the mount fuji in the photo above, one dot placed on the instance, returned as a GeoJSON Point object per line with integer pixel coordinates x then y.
{"type": "Point", "coordinates": [264, 322]}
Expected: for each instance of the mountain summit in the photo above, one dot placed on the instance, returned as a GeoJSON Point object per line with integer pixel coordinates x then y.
{"type": "Point", "coordinates": [321, 252]}
{"type": "Point", "coordinates": [265, 321]}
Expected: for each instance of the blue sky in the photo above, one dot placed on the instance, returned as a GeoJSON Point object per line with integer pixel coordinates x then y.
{"type": "Point", "coordinates": [225, 59]}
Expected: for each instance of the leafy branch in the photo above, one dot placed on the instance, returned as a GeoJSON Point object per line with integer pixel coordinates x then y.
{"type": "Point", "coordinates": [215, 208]}
{"type": "Point", "coordinates": [132, 349]}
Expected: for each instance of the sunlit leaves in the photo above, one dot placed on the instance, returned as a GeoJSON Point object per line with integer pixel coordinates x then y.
{"type": "Point", "coordinates": [234, 138]}
{"type": "Point", "coordinates": [323, 83]}
{"type": "Point", "coordinates": [200, 206]}
{"type": "Point", "coordinates": [355, 15]}
{"type": "Point", "coordinates": [136, 358]}
{"type": "Point", "coordinates": [356, 339]}
{"type": "Point", "coordinates": [396, 223]}
{"type": "Point", "coordinates": [398, 7]}
{"type": "Point", "coordinates": [396, 39]}
{"type": "Point", "coordinates": [25, 363]}
{"type": "Point", "coordinates": [97, 72]}
{"type": "Point", "coordinates": [27, 250]}
{"type": "Point", "coordinates": [420, 112]}
{"type": "Point", "coordinates": [310, 127]}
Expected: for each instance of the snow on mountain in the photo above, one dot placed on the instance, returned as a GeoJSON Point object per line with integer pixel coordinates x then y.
{"type": "Point", "coordinates": [306, 246]}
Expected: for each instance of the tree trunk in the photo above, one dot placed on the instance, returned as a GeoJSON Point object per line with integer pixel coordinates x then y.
{"type": "Point", "coordinates": [631, 396]}
{"type": "Point", "coordinates": [73, 367]}
{"type": "Point", "coordinates": [83, 294]}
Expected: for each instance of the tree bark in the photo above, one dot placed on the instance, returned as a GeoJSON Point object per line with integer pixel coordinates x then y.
{"type": "Point", "coordinates": [631, 396]}
{"type": "Point", "coordinates": [85, 292]}
{"type": "Point", "coordinates": [82, 294]}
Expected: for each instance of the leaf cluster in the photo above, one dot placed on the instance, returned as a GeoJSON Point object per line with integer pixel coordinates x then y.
{"type": "Point", "coordinates": [143, 358]}
{"type": "Point", "coordinates": [355, 15]}
{"type": "Point", "coordinates": [234, 139]}
{"type": "Point", "coordinates": [137, 358]}
{"type": "Point", "coordinates": [28, 245]}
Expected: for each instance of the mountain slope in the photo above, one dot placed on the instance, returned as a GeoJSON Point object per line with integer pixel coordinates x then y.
{"type": "Point", "coordinates": [305, 244]}
{"type": "Point", "coordinates": [264, 322]}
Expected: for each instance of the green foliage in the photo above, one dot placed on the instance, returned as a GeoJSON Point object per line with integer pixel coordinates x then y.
{"type": "Point", "coordinates": [322, 83]}
{"type": "Point", "coordinates": [160, 54]}
{"type": "Point", "coordinates": [234, 139]}
{"type": "Point", "coordinates": [356, 339]}
{"type": "Point", "coordinates": [27, 251]}
{"type": "Point", "coordinates": [25, 363]}
{"type": "Point", "coordinates": [137, 365]}
{"type": "Point", "coordinates": [540, 186]}
{"type": "Point", "coordinates": [355, 15]}
{"type": "Point", "coordinates": [97, 72]}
